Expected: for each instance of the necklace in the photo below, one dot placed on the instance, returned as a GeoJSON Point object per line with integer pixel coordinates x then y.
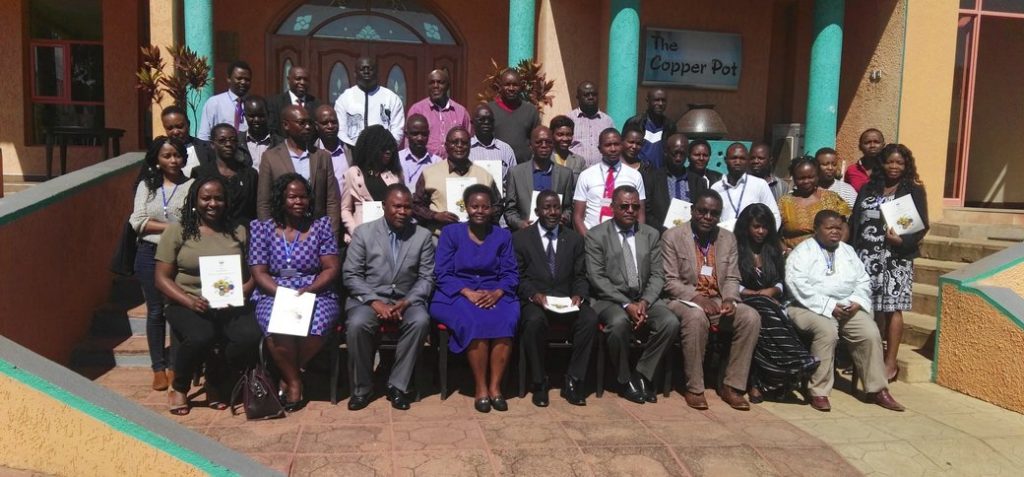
{"type": "Point", "coordinates": [830, 261]}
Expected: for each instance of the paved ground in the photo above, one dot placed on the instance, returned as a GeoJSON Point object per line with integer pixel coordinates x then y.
{"type": "Point", "coordinates": [944, 432]}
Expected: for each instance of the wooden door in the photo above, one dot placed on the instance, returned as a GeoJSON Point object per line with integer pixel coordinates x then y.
{"type": "Point", "coordinates": [283, 52]}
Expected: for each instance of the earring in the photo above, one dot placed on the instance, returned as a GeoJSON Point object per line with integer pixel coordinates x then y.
{"type": "Point", "coordinates": [193, 209]}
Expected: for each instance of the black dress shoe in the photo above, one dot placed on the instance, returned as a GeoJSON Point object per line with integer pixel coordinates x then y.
{"type": "Point", "coordinates": [572, 391]}
{"type": "Point", "coordinates": [499, 404]}
{"type": "Point", "coordinates": [650, 394]}
{"type": "Point", "coordinates": [482, 405]}
{"type": "Point", "coordinates": [356, 403]}
{"type": "Point", "coordinates": [399, 400]}
{"type": "Point", "coordinates": [632, 391]}
{"type": "Point", "coordinates": [540, 394]}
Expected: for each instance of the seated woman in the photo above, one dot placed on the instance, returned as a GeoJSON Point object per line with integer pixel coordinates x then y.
{"type": "Point", "coordinates": [294, 251]}
{"type": "Point", "coordinates": [158, 200]}
{"type": "Point", "coordinates": [781, 361]}
{"type": "Point", "coordinates": [375, 167]}
{"type": "Point", "coordinates": [799, 207]}
{"type": "Point", "coordinates": [477, 276]}
{"type": "Point", "coordinates": [204, 230]}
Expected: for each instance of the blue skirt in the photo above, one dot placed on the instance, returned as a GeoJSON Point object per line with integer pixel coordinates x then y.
{"type": "Point", "coordinates": [467, 322]}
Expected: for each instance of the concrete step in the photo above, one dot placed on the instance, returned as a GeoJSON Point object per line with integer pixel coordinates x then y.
{"type": "Point", "coordinates": [114, 322]}
{"type": "Point", "coordinates": [926, 299]}
{"type": "Point", "coordinates": [973, 215]}
{"type": "Point", "coordinates": [914, 366]}
{"type": "Point", "coordinates": [918, 330]}
{"type": "Point", "coordinates": [1005, 232]}
{"type": "Point", "coordinates": [927, 271]}
{"type": "Point", "coordinates": [130, 351]}
{"type": "Point", "coordinates": [958, 249]}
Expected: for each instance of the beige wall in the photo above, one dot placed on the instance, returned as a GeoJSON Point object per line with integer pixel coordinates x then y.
{"type": "Point", "coordinates": [163, 32]}
{"type": "Point", "coordinates": [927, 91]}
{"type": "Point", "coordinates": [567, 34]}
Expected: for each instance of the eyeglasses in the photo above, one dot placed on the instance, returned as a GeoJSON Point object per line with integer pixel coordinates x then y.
{"type": "Point", "coordinates": [226, 141]}
{"type": "Point", "coordinates": [707, 213]}
{"type": "Point", "coordinates": [629, 206]}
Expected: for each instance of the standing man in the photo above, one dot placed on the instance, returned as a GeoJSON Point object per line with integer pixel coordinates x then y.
{"type": "Point", "coordinates": [589, 123]}
{"type": "Point", "coordinates": [870, 144]}
{"type": "Point", "coordinates": [440, 110]}
{"type": "Point", "coordinates": [430, 203]}
{"type": "Point", "coordinates": [260, 137]}
{"type": "Point", "coordinates": [592, 198]}
{"type": "Point", "coordinates": [514, 118]}
{"type": "Point", "coordinates": [669, 183]}
{"type": "Point", "coordinates": [295, 154]}
{"type": "Point", "coordinates": [297, 94]}
{"type": "Point", "coordinates": [562, 127]}
{"type": "Point", "coordinates": [227, 106]}
{"type": "Point", "coordinates": [655, 125]}
{"type": "Point", "coordinates": [485, 147]}
{"type": "Point", "coordinates": [327, 130]}
{"type": "Point", "coordinates": [176, 125]}
{"type": "Point", "coordinates": [626, 278]}
{"type": "Point", "coordinates": [829, 172]}
{"type": "Point", "coordinates": [417, 155]}
{"type": "Point", "coordinates": [552, 264]}
{"type": "Point", "coordinates": [702, 285]}
{"type": "Point", "coordinates": [739, 189]}
{"type": "Point", "coordinates": [367, 103]}
{"type": "Point", "coordinates": [762, 165]}
{"type": "Point", "coordinates": [389, 268]}
{"type": "Point", "coordinates": [538, 175]}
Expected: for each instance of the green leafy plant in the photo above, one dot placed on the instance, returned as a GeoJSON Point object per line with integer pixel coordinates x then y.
{"type": "Point", "coordinates": [536, 87]}
{"type": "Point", "coordinates": [191, 73]}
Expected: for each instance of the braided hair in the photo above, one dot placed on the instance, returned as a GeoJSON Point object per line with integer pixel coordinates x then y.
{"type": "Point", "coordinates": [277, 193]}
{"type": "Point", "coordinates": [151, 175]}
{"type": "Point", "coordinates": [371, 145]}
{"type": "Point", "coordinates": [190, 219]}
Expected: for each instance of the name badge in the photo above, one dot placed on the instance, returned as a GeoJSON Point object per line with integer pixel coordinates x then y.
{"type": "Point", "coordinates": [288, 272]}
{"type": "Point", "coordinates": [652, 137]}
{"type": "Point", "coordinates": [872, 214]}
{"type": "Point", "coordinates": [707, 270]}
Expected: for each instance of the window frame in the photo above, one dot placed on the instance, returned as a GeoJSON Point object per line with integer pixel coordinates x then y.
{"type": "Point", "coordinates": [65, 97]}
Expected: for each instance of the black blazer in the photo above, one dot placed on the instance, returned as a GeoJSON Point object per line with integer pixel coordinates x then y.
{"type": "Point", "coordinates": [570, 264]}
{"type": "Point", "coordinates": [910, 249]}
{"type": "Point", "coordinates": [659, 197]}
{"type": "Point", "coordinates": [277, 102]}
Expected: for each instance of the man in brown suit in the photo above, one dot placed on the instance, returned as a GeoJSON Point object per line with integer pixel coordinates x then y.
{"type": "Point", "coordinates": [702, 287]}
{"type": "Point", "coordinates": [296, 154]}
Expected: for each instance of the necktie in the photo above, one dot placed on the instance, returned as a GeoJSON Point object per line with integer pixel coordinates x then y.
{"type": "Point", "coordinates": [609, 183]}
{"type": "Point", "coordinates": [551, 251]}
{"type": "Point", "coordinates": [632, 276]}
{"type": "Point", "coordinates": [238, 112]}
{"type": "Point", "coordinates": [394, 248]}
{"type": "Point", "coordinates": [302, 104]}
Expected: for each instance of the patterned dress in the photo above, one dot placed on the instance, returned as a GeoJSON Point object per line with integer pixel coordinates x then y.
{"type": "Point", "coordinates": [891, 276]}
{"type": "Point", "coordinates": [798, 221]}
{"type": "Point", "coordinates": [267, 247]}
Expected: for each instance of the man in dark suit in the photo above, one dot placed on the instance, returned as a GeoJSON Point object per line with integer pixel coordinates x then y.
{"type": "Point", "coordinates": [626, 277]}
{"type": "Point", "coordinates": [259, 137]}
{"type": "Point", "coordinates": [295, 154]}
{"type": "Point", "coordinates": [552, 264]}
{"type": "Point", "coordinates": [297, 94]}
{"type": "Point", "coordinates": [538, 174]}
{"type": "Point", "coordinates": [389, 270]}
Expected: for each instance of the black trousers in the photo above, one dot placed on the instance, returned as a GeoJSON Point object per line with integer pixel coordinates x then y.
{"type": "Point", "coordinates": [534, 325]}
{"type": "Point", "coordinates": [236, 328]}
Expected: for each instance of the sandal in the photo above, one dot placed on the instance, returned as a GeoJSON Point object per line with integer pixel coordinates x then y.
{"type": "Point", "coordinates": [178, 408]}
{"type": "Point", "coordinates": [214, 402]}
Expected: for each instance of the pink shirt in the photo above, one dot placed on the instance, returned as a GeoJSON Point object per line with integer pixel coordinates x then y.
{"type": "Point", "coordinates": [441, 120]}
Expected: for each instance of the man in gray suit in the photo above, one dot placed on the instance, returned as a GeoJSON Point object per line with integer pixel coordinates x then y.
{"type": "Point", "coordinates": [626, 277]}
{"type": "Point", "coordinates": [538, 174]}
{"type": "Point", "coordinates": [389, 272]}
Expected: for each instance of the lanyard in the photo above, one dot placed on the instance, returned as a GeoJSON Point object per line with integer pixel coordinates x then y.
{"type": "Point", "coordinates": [289, 248]}
{"type": "Point", "coordinates": [736, 207]}
{"type": "Point", "coordinates": [703, 250]}
{"type": "Point", "coordinates": [167, 200]}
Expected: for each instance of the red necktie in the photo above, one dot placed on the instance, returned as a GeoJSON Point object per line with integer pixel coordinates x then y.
{"type": "Point", "coordinates": [609, 188]}
{"type": "Point", "coordinates": [238, 112]}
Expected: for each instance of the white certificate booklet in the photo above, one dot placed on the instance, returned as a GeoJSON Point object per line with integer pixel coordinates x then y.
{"type": "Point", "coordinates": [678, 213]}
{"type": "Point", "coordinates": [561, 304]}
{"type": "Point", "coordinates": [291, 314]}
{"type": "Point", "coordinates": [533, 205]}
{"type": "Point", "coordinates": [454, 186]}
{"type": "Point", "coordinates": [372, 210]}
{"type": "Point", "coordinates": [221, 278]}
{"type": "Point", "coordinates": [494, 169]}
{"type": "Point", "coordinates": [728, 225]}
{"type": "Point", "coordinates": [901, 214]}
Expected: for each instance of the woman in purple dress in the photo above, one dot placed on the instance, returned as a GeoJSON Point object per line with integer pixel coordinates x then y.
{"type": "Point", "coordinates": [292, 250]}
{"type": "Point", "coordinates": [477, 277]}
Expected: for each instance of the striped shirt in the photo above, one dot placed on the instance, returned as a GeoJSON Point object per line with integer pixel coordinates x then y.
{"type": "Point", "coordinates": [587, 133]}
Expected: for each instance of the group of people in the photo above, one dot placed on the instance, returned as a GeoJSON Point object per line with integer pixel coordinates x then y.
{"type": "Point", "coordinates": [565, 222]}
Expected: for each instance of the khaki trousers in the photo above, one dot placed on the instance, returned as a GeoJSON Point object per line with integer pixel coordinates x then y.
{"type": "Point", "coordinates": [860, 331]}
{"type": "Point", "coordinates": [694, 324]}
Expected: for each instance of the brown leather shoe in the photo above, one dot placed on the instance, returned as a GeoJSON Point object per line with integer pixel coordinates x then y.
{"type": "Point", "coordinates": [160, 381]}
{"type": "Point", "coordinates": [884, 399]}
{"type": "Point", "coordinates": [734, 399]}
{"type": "Point", "coordinates": [695, 401]}
{"type": "Point", "coordinates": [820, 403]}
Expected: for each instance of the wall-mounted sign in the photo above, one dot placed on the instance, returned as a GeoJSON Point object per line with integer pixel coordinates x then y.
{"type": "Point", "coordinates": [696, 59]}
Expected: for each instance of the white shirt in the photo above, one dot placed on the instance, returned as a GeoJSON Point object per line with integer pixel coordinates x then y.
{"type": "Point", "coordinates": [810, 284]}
{"type": "Point", "coordinates": [544, 239]}
{"type": "Point", "coordinates": [748, 190]}
{"type": "Point", "coordinates": [218, 109]}
{"type": "Point", "coordinates": [590, 188]}
{"type": "Point", "coordinates": [295, 99]}
{"type": "Point", "coordinates": [381, 106]}
{"type": "Point", "coordinates": [846, 191]}
{"type": "Point", "coordinates": [191, 161]}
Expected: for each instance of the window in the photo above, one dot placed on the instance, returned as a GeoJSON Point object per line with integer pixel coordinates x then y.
{"type": "Point", "coordinates": [396, 82]}
{"type": "Point", "coordinates": [66, 55]}
{"type": "Point", "coordinates": [287, 69]}
{"type": "Point", "coordinates": [373, 20]}
{"type": "Point", "coordinates": [338, 81]}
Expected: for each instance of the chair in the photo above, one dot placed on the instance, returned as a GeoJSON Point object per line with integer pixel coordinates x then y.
{"type": "Point", "coordinates": [666, 363]}
{"type": "Point", "coordinates": [557, 327]}
{"type": "Point", "coordinates": [387, 340]}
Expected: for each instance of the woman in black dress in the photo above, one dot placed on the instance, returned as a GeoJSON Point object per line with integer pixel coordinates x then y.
{"type": "Point", "coordinates": [781, 361]}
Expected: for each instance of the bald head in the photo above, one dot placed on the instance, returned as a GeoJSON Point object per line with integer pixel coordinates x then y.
{"type": "Point", "coordinates": [438, 84]}
{"type": "Point", "coordinates": [586, 97]}
{"type": "Point", "coordinates": [298, 81]}
{"type": "Point", "coordinates": [255, 110]}
{"type": "Point", "coordinates": [296, 125]}
{"type": "Point", "coordinates": [542, 143]}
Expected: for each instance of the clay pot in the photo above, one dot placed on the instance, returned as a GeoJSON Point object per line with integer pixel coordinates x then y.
{"type": "Point", "coordinates": [702, 121]}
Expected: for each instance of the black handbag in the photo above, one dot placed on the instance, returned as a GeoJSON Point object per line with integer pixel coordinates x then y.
{"type": "Point", "coordinates": [258, 393]}
{"type": "Point", "coordinates": [123, 261]}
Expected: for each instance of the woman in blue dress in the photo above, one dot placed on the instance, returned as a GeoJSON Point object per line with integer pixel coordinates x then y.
{"type": "Point", "coordinates": [477, 276]}
{"type": "Point", "coordinates": [295, 251]}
